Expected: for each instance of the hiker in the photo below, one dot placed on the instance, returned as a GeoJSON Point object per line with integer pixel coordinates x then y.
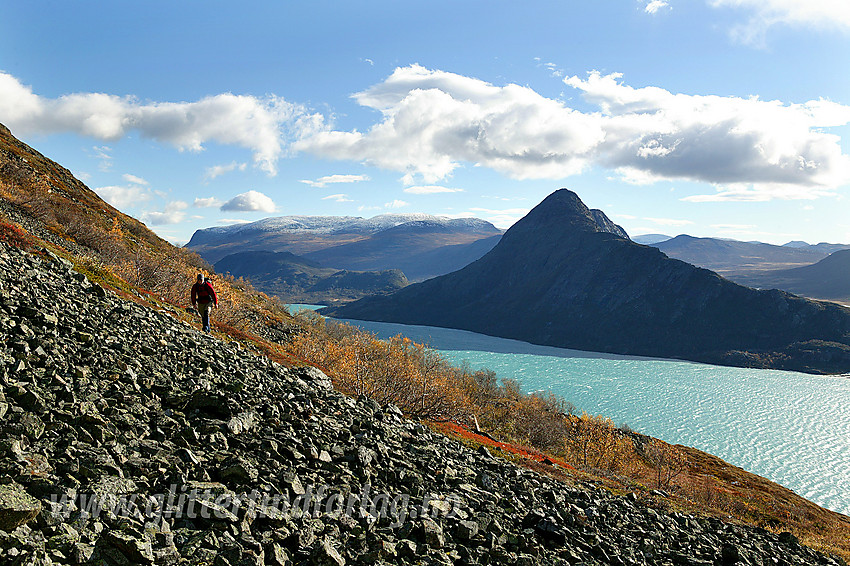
{"type": "Point", "coordinates": [204, 297]}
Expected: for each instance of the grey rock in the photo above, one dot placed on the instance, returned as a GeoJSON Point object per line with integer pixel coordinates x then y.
{"type": "Point", "coordinates": [17, 507]}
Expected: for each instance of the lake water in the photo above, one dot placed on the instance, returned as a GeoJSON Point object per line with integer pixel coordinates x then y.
{"type": "Point", "coordinates": [792, 428]}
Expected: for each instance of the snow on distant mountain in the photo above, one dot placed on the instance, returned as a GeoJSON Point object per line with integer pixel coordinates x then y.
{"type": "Point", "coordinates": [346, 224]}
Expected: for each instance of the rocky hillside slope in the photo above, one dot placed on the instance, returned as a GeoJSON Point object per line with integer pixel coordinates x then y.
{"type": "Point", "coordinates": [558, 278]}
{"type": "Point", "coordinates": [127, 437]}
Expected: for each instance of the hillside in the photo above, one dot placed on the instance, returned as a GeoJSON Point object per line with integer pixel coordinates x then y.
{"type": "Point", "coordinates": [296, 279]}
{"type": "Point", "coordinates": [828, 279]}
{"type": "Point", "coordinates": [110, 396]}
{"type": "Point", "coordinates": [556, 278]}
{"type": "Point", "coordinates": [182, 449]}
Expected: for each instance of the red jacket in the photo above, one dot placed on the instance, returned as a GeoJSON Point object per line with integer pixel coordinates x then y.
{"type": "Point", "coordinates": [203, 293]}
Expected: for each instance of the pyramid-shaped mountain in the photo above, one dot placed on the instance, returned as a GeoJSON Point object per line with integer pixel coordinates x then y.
{"type": "Point", "coordinates": [558, 277]}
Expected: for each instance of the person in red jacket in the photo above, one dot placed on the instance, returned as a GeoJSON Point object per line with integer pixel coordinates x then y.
{"type": "Point", "coordinates": [204, 297]}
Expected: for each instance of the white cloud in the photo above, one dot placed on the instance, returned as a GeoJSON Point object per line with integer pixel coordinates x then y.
{"type": "Point", "coordinates": [668, 221]}
{"type": "Point", "coordinates": [434, 121]}
{"type": "Point", "coordinates": [134, 180]}
{"type": "Point", "coordinates": [653, 134]}
{"type": "Point", "coordinates": [654, 6]}
{"type": "Point", "coordinates": [430, 190]}
{"type": "Point", "coordinates": [123, 198]}
{"type": "Point", "coordinates": [232, 221]}
{"type": "Point", "coordinates": [257, 124]}
{"type": "Point", "coordinates": [818, 14]}
{"type": "Point", "coordinates": [761, 193]}
{"type": "Point", "coordinates": [396, 204]}
{"type": "Point", "coordinates": [101, 152]}
{"type": "Point", "coordinates": [338, 198]}
{"type": "Point", "coordinates": [218, 170]}
{"type": "Point", "coordinates": [173, 213]}
{"type": "Point", "coordinates": [251, 201]}
{"type": "Point", "coordinates": [207, 202]}
{"type": "Point", "coordinates": [335, 179]}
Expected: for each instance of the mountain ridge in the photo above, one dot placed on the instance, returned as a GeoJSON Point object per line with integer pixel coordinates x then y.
{"type": "Point", "coordinates": [556, 278]}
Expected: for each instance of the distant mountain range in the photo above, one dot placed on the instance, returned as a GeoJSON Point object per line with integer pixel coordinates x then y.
{"type": "Point", "coordinates": [305, 235]}
{"type": "Point", "coordinates": [765, 266]}
{"type": "Point", "coordinates": [558, 277]}
{"type": "Point", "coordinates": [300, 280]}
{"type": "Point", "coordinates": [828, 279]}
{"type": "Point", "coordinates": [728, 256]}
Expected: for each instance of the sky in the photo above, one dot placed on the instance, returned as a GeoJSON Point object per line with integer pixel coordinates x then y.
{"type": "Point", "coordinates": [722, 118]}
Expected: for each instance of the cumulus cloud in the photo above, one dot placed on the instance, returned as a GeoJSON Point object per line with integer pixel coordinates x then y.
{"type": "Point", "coordinates": [654, 6]}
{"type": "Point", "coordinates": [767, 146]}
{"type": "Point", "coordinates": [433, 122]}
{"type": "Point", "coordinates": [218, 170]}
{"type": "Point", "coordinates": [251, 201]}
{"type": "Point", "coordinates": [124, 197]}
{"type": "Point", "coordinates": [396, 204]}
{"type": "Point", "coordinates": [258, 124]}
{"type": "Point", "coordinates": [338, 198]}
{"type": "Point", "coordinates": [207, 202]}
{"type": "Point", "coordinates": [173, 213]}
{"type": "Point", "coordinates": [819, 14]}
{"type": "Point", "coordinates": [335, 179]}
{"type": "Point", "coordinates": [430, 190]}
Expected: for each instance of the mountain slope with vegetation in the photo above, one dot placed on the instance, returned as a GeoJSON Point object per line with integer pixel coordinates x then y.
{"type": "Point", "coordinates": [108, 390]}
{"type": "Point", "coordinates": [559, 279]}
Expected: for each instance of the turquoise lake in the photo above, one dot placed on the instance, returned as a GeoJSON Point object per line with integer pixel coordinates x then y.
{"type": "Point", "coordinates": [792, 428]}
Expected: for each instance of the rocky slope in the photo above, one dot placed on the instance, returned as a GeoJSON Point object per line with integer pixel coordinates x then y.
{"type": "Point", "coordinates": [295, 279]}
{"type": "Point", "coordinates": [558, 278]}
{"type": "Point", "coordinates": [190, 447]}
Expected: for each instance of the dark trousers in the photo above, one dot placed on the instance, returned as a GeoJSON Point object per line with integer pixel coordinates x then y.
{"type": "Point", "coordinates": [204, 309]}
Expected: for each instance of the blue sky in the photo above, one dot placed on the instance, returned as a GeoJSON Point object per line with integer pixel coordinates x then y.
{"type": "Point", "coordinates": [710, 117]}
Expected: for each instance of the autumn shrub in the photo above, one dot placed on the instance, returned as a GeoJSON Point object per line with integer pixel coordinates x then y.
{"type": "Point", "coordinates": [12, 235]}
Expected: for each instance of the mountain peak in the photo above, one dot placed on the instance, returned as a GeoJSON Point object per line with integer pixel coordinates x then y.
{"type": "Point", "coordinates": [557, 278]}
{"type": "Point", "coordinates": [564, 210]}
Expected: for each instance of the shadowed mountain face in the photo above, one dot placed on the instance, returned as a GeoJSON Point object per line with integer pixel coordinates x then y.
{"type": "Point", "coordinates": [558, 278]}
